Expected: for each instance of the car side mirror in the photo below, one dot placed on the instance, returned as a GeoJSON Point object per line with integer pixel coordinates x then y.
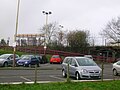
{"type": "Point", "coordinates": [74, 65]}
{"type": "Point", "coordinates": [8, 58]}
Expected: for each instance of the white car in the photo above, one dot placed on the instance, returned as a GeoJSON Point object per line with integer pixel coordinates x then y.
{"type": "Point", "coordinates": [116, 68]}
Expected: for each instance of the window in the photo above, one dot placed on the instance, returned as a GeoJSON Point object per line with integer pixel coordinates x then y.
{"type": "Point", "coordinates": [34, 59]}
{"type": "Point", "coordinates": [73, 62]}
{"type": "Point", "coordinates": [11, 57]}
{"type": "Point", "coordinates": [67, 60]}
{"type": "Point", "coordinates": [16, 56]}
{"type": "Point", "coordinates": [118, 63]}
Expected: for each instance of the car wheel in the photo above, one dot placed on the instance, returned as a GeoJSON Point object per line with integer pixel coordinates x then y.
{"type": "Point", "coordinates": [5, 64]}
{"type": "Point", "coordinates": [77, 76]}
{"type": "Point", "coordinates": [29, 65]}
{"type": "Point", "coordinates": [63, 73]}
{"type": "Point", "coordinates": [115, 72]}
{"type": "Point", "coordinates": [43, 62]}
{"type": "Point", "coordinates": [38, 65]}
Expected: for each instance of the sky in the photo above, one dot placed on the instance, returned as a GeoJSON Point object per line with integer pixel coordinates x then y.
{"type": "Point", "coordinates": [91, 15]}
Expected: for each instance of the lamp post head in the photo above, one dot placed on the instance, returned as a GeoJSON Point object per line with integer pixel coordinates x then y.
{"type": "Point", "coordinates": [50, 12]}
{"type": "Point", "coordinates": [43, 11]}
{"type": "Point", "coordinates": [61, 26]}
{"type": "Point", "coordinates": [46, 12]}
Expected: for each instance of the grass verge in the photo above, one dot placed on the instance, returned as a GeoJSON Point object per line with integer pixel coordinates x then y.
{"type": "Point", "coordinates": [106, 85]}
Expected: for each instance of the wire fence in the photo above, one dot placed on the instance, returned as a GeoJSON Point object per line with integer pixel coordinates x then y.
{"type": "Point", "coordinates": [48, 73]}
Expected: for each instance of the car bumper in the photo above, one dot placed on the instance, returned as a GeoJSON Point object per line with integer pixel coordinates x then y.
{"type": "Point", "coordinates": [55, 61]}
{"type": "Point", "coordinates": [1, 63]}
{"type": "Point", "coordinates": [20, 64]}
{"type": "Point", "coordinates": [89, 75]}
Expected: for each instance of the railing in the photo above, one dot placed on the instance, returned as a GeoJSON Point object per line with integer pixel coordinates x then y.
{"type": "Point", "coordinates": [40, 50]}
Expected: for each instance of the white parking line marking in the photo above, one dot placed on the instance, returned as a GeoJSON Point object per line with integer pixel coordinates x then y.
{"type": "Point", "coordinates": [26, 79]}
{"type": "Point", "coordinates": [56, 77]}
{"type": "Point", "coordinates": [108, 75]}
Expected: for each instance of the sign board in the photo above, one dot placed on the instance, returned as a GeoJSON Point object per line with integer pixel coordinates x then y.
{"type": "Point", "coordinates": [14, 44]}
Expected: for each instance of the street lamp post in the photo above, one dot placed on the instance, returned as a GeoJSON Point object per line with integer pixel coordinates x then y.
{"type": "Point", "coordinates": [46, 29]}
{"type": "Point", "coordinates": [16, 29]}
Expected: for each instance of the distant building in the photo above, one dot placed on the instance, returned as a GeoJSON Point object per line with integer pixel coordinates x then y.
{"type": "Point", "coordinates": [30, 39]}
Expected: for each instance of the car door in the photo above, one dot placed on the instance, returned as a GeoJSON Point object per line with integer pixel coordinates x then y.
{"type": "Point", "coordinates": [65, 64]}
{"type": "Point", "coordinates": [10, 60]}
{"type": "Point", "coordinates": [118, 66]}
{"type": "Point", "coordinates": [73, 67]}
{"type": "Point", "coordinates": [40, 59]}
{"type": "Point", "coordinates": [34, 61]}
{"type": "Point", "coordinates": [16, 58]}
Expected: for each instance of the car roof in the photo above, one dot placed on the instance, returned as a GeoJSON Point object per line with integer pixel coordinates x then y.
{"type": "Point", "coordinates": [7, 54]}
{"type": "Point", "coordinates": [87, 55]}
{"type": "Point", "coordinates": [55, 55]}
{"type": "Point", "coordinates": [75, 57]}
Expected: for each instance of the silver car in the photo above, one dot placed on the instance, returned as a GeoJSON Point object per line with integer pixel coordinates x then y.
{"type": "Point", "coordinates": [81, 67]}
{"type": "Point", "coordinates": [88, 56]}
{"type": "Point", "coordinates": [116, 68]}
{"type": "Point", "coordinates": [7, 59]}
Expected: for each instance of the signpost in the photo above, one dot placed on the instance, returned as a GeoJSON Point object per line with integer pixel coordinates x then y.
{"type": "Point", "coordinates": [14, 51]}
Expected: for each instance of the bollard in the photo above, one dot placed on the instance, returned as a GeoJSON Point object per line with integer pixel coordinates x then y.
{"type": "Point", "coordinates": [113, 76]}
{"type": "Point", "coordinates": [68, 76]}
{"type": "Point", "coordinates": [35, 81]}
{"type": "Point", "coordinates": [102, 70]}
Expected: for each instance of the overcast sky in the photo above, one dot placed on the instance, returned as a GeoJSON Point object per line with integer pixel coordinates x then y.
{"type": "Point", "coordinates": [92, 15]}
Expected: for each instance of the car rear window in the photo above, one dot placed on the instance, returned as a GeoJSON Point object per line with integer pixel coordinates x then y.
{"type": "Point", "coordinates": [55, 56]}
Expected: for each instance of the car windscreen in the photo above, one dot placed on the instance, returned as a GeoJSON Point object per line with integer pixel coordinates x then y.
{"type": "Point", "coordinates": [26, 58]}
{"type": "Point", "coordinates": [5, 56]}
{"type": "Point", "coordinates": [85, 62]}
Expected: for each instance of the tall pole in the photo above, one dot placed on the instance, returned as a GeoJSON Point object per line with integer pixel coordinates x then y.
{"type": "Point", "coordinates": [46, 29]}
{"type": "Point", "coordinates": [18, 6]}
{"type": "Point", "coordinates": [16, 29]}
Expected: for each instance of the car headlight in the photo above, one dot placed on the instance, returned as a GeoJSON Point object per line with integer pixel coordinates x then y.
{"type": "Point", "coordinates": [26, 62]}
{"type": "Point", "coordinates": [84, 71]}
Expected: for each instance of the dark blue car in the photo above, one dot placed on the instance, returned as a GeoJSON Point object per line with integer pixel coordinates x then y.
{"type": "Point", "coordinates": [28, 60]}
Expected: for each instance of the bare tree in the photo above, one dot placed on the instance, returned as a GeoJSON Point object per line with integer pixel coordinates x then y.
{"type": "Point", "coordinates": [50, 32]}
{"type": "Point", "coordinates": [112, 30]}
{"type": "Point", "coordinates": [54, 33]}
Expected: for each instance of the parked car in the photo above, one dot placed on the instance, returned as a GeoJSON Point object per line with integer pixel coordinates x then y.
{"type": "Point", "coordinates": [22, 56]}
{"type": "Point", "coordinates": [55, 59]}
{"type": "Point", "coordinates": [88, 56]}
{"type": "Point", "coordinates": [42, 59]}
{"type": "Point", "coordinates": [28, 60]}
{"type": "Point", "coordinates": [7, 59]}
{"type": "Point", "coordinates": [80, 68]}
{"type": "Point", "coordinates": [116, 68]}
